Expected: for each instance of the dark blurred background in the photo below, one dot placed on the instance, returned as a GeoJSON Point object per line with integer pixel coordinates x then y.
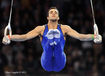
{"type": "Point", "coordinates": [83, 58]}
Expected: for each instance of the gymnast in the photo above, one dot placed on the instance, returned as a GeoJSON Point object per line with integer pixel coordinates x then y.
{"type": "Point", "coordinates": [52, 37]}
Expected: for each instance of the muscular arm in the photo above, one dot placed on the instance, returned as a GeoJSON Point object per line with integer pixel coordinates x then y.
{"type": "Point", "coordinates": [35, 32]}
{"type": "Point", "coordinates": [83, 37]}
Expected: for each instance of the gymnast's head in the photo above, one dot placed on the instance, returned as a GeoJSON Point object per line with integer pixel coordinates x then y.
{"type": "Point", "coordinates": [53, 14]}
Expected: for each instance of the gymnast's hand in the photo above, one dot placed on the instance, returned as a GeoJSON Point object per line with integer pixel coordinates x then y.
{"type": "Point", "coordinates": [6, 40]}
{"type": "Point", "coordinates": [98, 39]}
{"type": "Point", "coordinates": [97, 36]}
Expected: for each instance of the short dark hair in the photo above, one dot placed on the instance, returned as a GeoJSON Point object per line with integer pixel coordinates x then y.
{"type": "Point", "coordinates": [52, 8]}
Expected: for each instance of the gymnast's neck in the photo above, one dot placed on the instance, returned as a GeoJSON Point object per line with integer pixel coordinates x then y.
{"type": "Point", "coordinates": [52, 24]}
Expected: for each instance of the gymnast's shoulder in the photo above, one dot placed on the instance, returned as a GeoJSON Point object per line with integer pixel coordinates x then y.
{"type": "Point", "coordinates": [65, 26]}
{"type": "Point", "coordinates": [41, 27]}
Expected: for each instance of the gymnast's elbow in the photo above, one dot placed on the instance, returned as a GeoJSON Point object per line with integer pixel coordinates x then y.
{"type": "Point", "coordinates": [78, 36]}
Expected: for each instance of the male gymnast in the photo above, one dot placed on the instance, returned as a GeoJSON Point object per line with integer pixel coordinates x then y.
{"type": "Point", "coordinates": [52, 36]}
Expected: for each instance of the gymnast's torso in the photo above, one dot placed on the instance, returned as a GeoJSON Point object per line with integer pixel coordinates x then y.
{"type": "Point", "coordinates": [53, 57]}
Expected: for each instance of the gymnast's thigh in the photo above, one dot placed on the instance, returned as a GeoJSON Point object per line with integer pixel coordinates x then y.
{"type": "Point", "coordinates": [59, 63]}
{"type": "Point", "coordinates": [47, 62]}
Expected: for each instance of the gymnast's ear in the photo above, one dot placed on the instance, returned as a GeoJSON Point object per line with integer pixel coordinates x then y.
{"type": "Point", "coordinates": [58, 17]}
{"type": "Point", "coordinates": [47, 18]}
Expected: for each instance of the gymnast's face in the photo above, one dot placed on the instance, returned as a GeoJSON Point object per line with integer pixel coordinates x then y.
{"type": "Point", "coordinates": [53, 14]}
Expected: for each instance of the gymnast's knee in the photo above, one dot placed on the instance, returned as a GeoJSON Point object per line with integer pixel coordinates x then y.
{"type": "Point", "coordinates": [48, 69]}
{"type": "Point", "coordinates": [58, 70]}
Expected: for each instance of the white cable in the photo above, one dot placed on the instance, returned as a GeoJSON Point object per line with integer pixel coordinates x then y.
{"type": "Point", "coordinates": [8, 27]}
{"type": "Point", "coordinates": [96, 32]}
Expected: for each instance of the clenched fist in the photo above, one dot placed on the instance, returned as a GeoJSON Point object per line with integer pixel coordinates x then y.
{"type": "Point", "coordinates": [98, 39]}
{"type": "Point", "coordinates": [6, 40]}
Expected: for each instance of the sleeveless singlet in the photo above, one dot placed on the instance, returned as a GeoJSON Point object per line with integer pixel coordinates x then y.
{"type": "Point", "coordinates": [53, 57]}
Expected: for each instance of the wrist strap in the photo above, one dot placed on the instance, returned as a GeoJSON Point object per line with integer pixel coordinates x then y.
{"type": "Point", "coordinates": [9, 37]}
{"type": "Point", "coordinates": [93, 37]}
